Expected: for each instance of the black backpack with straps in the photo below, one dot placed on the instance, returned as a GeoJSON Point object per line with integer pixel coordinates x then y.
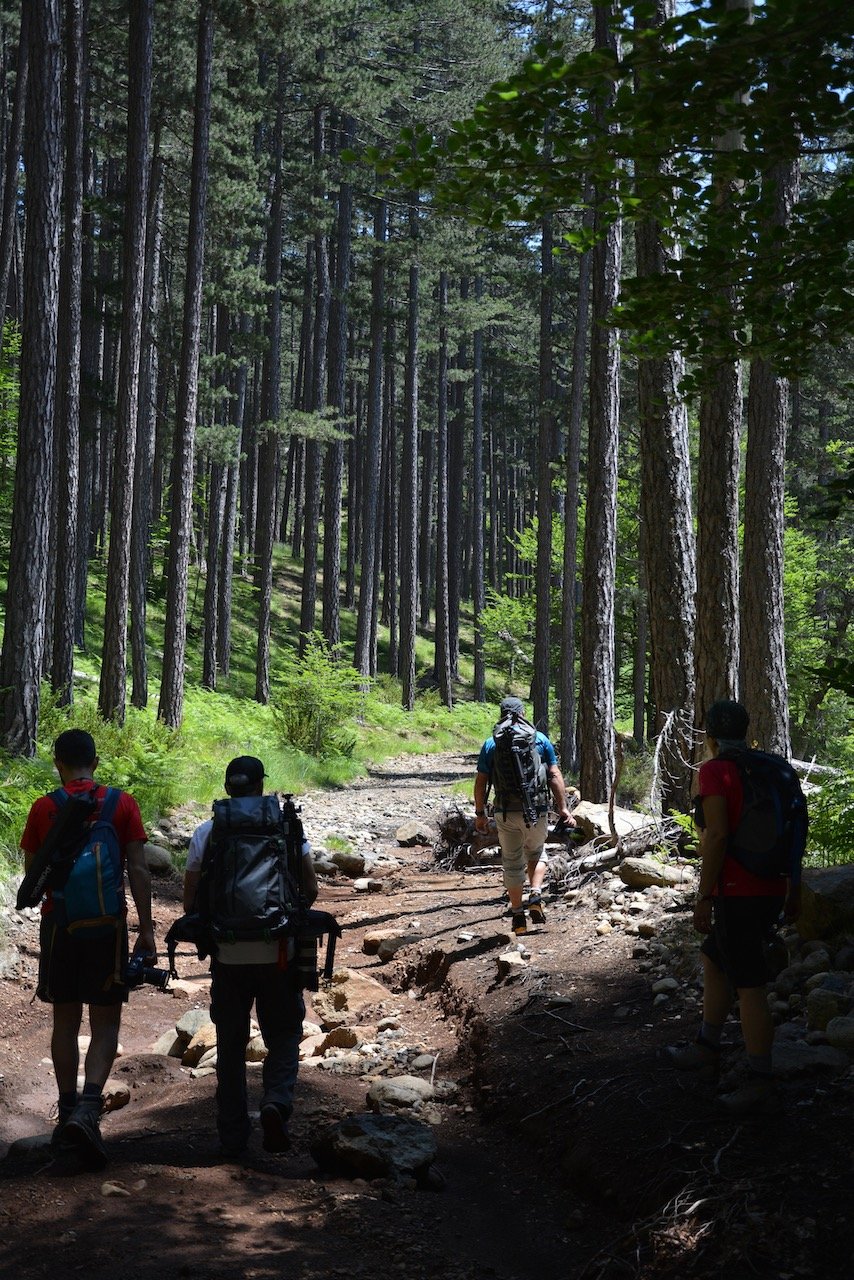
{"type": "Point", "coordinates": [250, 886]}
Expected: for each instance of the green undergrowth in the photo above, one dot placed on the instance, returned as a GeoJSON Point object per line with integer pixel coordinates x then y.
{"type": "Point", "coordinates": [165, 769]}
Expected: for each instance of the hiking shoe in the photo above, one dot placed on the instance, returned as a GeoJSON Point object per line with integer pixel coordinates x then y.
{"type": "Point", "coordinates": [274, 1126]}
{"type": "Point", "coordinates": [697, 1056]}
{"type": "Point", "coordinates": [757, 1096]}
{"type": "Point", "coordinates": [519, 923]}
{"type": "Point", "coordinates": [82, 1132]}
{"type": "Point", "coordinates": [535, 907]}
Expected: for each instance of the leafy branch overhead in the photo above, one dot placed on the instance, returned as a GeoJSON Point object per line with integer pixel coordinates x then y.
{"type": "Point", "coordinates": [721, 100]}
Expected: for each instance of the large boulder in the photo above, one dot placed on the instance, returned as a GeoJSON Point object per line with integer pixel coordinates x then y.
{"type": "Point", "coordinates": [414, 833]}
{"type": "Point", "coordinates": [827, 902]}
{"type": "Point", "coordinates": [593, 821]}
{"type": "Point", "coordinates": [640, 873]}
{"type": "Point", "coordinates": [158, 859]}
{"type": "Point", "coordinates": [377, 1146]}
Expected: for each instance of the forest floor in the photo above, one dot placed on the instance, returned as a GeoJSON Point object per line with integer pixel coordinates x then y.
{"type": "Point", "coordinates": [570, 1151]}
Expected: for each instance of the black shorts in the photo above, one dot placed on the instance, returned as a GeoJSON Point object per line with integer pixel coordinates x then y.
{"type": "Point", "coordinates": [739, 929]}
{"type": "Point", "coordinates": [81, 970]}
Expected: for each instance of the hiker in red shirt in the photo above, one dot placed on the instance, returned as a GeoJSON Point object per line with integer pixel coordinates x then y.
{"type": "Point", "coordinates": [737, 911]}
{"type": "Point", "coordinates": [77, 970]}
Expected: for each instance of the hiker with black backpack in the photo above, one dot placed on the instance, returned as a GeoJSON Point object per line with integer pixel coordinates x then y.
{"type": "Point", "coordinates": [753, 823]}
{"type": "Point", "coordinates": [520, 764]}
{"type": "Point", "coordinates": [249, 876]}
{"type": "Point", "coordinates": [87, 836]}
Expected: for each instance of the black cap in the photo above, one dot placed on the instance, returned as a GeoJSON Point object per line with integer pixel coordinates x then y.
{"type": "Point", "coordinates": [727, 719]}
{"type": "Point", "coordinates": [75, 747]}
{"type": "Point", "coordinates": [512, 707]}
{"type": "Point", "coordinates": [243, 775]}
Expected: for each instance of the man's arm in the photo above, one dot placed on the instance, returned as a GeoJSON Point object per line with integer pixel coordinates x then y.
{"type": "Point", "coordinates": [309, 879]}
{"type": "Point", "coordinates": [558, 790]}
{"type": "Point", "coordinates": [713, 842]}
{"type": "Point", "coordinates": [139, 879]}
{"type": "Point", "coordinates": [191, 884]}
{"type": "Point", "coordinates": [481, 788]}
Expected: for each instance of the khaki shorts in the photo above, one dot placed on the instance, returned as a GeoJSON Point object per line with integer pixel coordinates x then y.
{"type": "Point", "coordinates": [520, 845]}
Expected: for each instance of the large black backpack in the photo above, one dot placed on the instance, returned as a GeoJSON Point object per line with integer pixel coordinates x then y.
{"type": "Point", "coordinates": [771, 834]}
{"type": "Point", "coordinates": [249, 883]}
{"type": "Point", "coordinates": [518, 772]}
{"type": "Point", "coordinates": [250, 886]}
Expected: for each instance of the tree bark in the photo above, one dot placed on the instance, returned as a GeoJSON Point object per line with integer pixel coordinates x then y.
{"type": "Point", "coordinates": [764, 681]}
{"type": "Point", "coordinates": [268, 448]}
{"type": "Point", "coordinates": [442, 659]}
{"type": "Point", "coordinates": [477, 520]}
{"type": "Point", "coordinates": [67, 426]}
{"type": "Point", "coordinates": [9, 224]}
{"type": "Point", "coordinates": [171, 707]}
{"type": "Point", "coordinates": [371, 452]}
{"type": "Point", "coordinates": [337, 398]}
{"type": "Point", "coordinates": [143, 488]}
{"type": "Point", "coordinates": [409, 477]}
{"type": "Point", "coordinates": [113, 688]}
{"type": "Point", "coordinates": [569, 597]}
{"type": "Point", "coordinates": [24, 633]}
{"type": "Point", "coordinates": [545, 447]}
{"type": "Point", "coordinates": [596, 719]}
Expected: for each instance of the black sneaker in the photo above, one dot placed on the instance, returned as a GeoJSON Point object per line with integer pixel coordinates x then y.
{"type": "Point", "coordinates": [82, 1132]}
{"type": "Point", "coordinates": [535, 907]}
{"type": "Point", "coordinates": [274, 1126]}
{"type": "Point", "coordinates": [519, 923]}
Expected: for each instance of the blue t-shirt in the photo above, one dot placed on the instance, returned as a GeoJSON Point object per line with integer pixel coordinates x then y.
{"type": "Point", "coordinates": [548, 755]}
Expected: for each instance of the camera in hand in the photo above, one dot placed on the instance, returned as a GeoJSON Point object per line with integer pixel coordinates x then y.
{"type": "Point", "coordinates": [138, 972]}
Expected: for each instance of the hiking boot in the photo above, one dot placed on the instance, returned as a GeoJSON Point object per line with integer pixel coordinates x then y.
{"type": "Point", "coordinates": [697, 1056]}
{"type": "Point", "coordinates": [82, 1132]}
{"type": "Point", "coordinates": [758, 1095]}
{"type": "Point", "coordinates": [519, 923]}
{"type": "Point", "coordinates": [274, 1126]}
{"type": "Point", "coordinates": [535, 907]}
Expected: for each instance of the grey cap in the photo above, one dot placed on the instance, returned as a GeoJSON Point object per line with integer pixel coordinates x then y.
{"type": "Point", "coordinates": [727, 719]}
{"type": "Point", "coordinates": [512, 707]}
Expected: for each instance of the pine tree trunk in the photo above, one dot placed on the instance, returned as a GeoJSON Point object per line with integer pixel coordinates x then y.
{"type": "Point", "coordinates": [268, 447]}
{"type": "Point", "coordinates": [409, 477]}
{"type": "Point", "coordinates": [14, 142]}
{"type": "Point", "coordinates": [171, 707]}
{"type": "Point", "coordinates": [477, 482]}
{"type": "Point", "coordinates": [24, 634]}
{"type": "Point", "coordinates": [371, 449]}
{"type": "Point", "coordinates": [334, 479]}
{"type": "Point", "coordinates": [569, 598]}
{"type": "Point", "coordinates": [763, 657]}
{"type": "Point", "coordinates": [149, 369]}
{"type": "Point", "coordinates": [545, 448]}
{"type": "Point", "coordinates": [113, 687]}
{"type": "Point", "coordinates": [91, 351]}
{"type": "Point", "coordinates": [313, 460]}
{"type": "Point", "coordinates": [667, 522]}
{"type": "Point", "coordinates": [596, 720]}
{"type": "Point", "coordinates": [67, 426]}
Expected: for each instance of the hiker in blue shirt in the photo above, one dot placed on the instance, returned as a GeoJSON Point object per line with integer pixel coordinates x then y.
{"type": "Point", "coordinates": [521, 815]}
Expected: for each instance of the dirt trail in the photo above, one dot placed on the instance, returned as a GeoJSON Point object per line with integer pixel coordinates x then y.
{"type": "Point", "coordinates": [568, 1152]}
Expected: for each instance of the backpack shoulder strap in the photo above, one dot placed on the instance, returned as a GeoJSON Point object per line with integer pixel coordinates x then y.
{"type": "Point", "coordinates": [109, 804]}
{"type": "Point", "coordinates": [59, 797]}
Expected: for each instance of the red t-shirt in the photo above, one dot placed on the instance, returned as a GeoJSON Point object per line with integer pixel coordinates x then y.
{"type": "Point", "coordinates": [127, 821]}
{"type": "Point", "coordinates": [721, 778]}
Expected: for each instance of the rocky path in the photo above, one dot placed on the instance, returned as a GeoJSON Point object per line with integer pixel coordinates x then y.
{"type": "Point", "coordinates": [563, 1149]}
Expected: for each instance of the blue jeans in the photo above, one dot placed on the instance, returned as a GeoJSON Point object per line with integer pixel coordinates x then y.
{"type": "Point", "coordinates": [280, 1010]}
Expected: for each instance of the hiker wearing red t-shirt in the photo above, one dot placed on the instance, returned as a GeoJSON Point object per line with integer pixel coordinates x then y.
{"type": "Point", "coordinates": [737, 911]}
{"type": "Point", "coordinates": [76, 970]}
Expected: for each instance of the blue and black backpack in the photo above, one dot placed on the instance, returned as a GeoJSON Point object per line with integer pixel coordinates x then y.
{"type": "Point", "coordinates": [87, 887]}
